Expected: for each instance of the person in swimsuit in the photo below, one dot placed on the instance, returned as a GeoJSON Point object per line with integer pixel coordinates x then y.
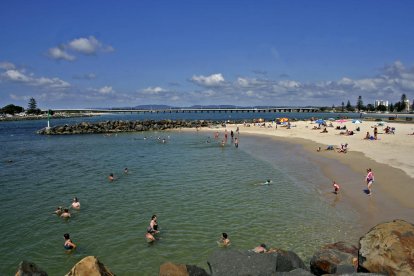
{"type": "Point", "coordinates": [68, 245]}
{"type": "Point", "coordinates": [111, 177]}
{"type": "Point", "coordinates": [153, 227]}
{"type": "Point", "coordinates": [75, 203]}
{"type": "Point", "coordinates": [369, 179]}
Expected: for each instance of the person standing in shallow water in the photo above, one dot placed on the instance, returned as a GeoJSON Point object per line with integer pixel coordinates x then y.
{"type": "Point", "coordinates": [369, 179]}
{"type": "Point", "coordinates": [68, 245]}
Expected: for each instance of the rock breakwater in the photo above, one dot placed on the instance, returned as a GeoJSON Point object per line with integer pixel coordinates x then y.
{"type": "Point", "coordinates": [124, 126]}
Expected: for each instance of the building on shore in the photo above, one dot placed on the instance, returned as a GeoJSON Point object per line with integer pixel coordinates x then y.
{"type": "Point", "coordinates": [407, 105]}
{"type": "Point", "coordinates": [381, 102]}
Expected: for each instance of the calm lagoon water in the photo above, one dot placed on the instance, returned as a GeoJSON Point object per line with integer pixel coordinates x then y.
{"type": "Point", "coordinates": [197, 189]}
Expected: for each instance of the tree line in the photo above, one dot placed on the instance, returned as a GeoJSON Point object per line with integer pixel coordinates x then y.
{"type": "Point", "coordinates": [14, 109]}
{"type": "Point", "coordinates": [359, 106]}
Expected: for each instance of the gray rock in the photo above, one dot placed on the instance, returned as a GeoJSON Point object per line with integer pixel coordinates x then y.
{"type": "Point", "coordinates": [295, 272]}
{"type": "Point", "coordinates": [29, 269]}
{"type": "Point", "coordinates": [231, 262]}
{"type": "Point", "coordinates": [196, 271]}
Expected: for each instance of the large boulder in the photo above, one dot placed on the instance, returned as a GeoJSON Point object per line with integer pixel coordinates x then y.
{"type": "Point", "coordinates": [287, 260]}
{"type": "Point", "coordinates": [29, 269]}
{"type": "Point", "coordinates": [90, 266]}
{"type": "Point", "coordinates": [388, 248]}
{"type": "Point", "coordinates": [339, 256]}
{"type": "Point", "coordinates": [171, 269]}
{"type": "Point", "coordinates": [232, 262]}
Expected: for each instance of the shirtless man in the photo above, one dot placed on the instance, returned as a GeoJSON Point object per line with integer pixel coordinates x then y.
{"type": "Point", "coordinates": [75, 203]}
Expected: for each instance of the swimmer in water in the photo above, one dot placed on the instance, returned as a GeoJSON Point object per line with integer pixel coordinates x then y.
{"type": "Point", "coordinates": [111, 177]}
{"type": "Point", "coordinates": [68, 245]}
{"type": "Point", "coordinates": [126, 171]}
{"type": "Point", "coordinates": [224, 240]}
{"type": "Point", "coordinates": [58, 211]}
{"type": "Point", "coordinates": [65, 213]}
{"type": "Point", "coordinates": [149, 236]}
{"type": "Point", "coordinates": [336, 187]}
{"type": "Point", "coordinates": [75, 203]}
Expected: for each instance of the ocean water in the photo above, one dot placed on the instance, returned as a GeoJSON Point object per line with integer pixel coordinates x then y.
{"type": "Point", "coordinates": [197, 189]}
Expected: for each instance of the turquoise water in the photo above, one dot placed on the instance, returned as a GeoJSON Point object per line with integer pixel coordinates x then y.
{"type": "Point", "coordinates": [197, 189]}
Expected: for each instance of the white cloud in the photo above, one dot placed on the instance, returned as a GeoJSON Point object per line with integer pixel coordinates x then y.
{"type": "Point", "coordinates": [59, 53]}
{"type": "Point", "coordinates": [106, 90]}
{"type": "Point", "coordinates": [7, 65]}
{"type": "Point", "coordinates": [43, 82]}
{"type": "Point", "coordinates": [209, 81]}
{"type": "Point", "coordinates": [87, 76]}
{"type": "Point", "coordinates": [153, 90]}
{"type": "Point", "coordinates": [15, 76]}
{"type": "Point", "coordinates": [88, 46]}
{"type": "Point", "coordinates": [242, 82]}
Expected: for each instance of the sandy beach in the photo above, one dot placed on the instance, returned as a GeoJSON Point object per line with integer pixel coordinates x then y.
{"type": "Point", "coordinates": [390, 158]}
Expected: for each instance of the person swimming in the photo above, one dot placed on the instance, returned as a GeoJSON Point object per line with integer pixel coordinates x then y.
{"type": "Point", "coordinates": [75, 203]}
{"type": "Point", "coordinates": [68, 245]}
{"type": "Point", "coordinates": [224, 240]}
{"type": "Point", "coordinates": [111, 177]}
{"type": "Point", "coordinates": [65, 213]}
{"type": "Point", "coordinates": [153, 227]}
{"type": "Point", "coordinates": [260, 249]}
{"type": "Point", "coordinates": [58, 211]}
{"type": "Point", "coordinates": [126, 171]}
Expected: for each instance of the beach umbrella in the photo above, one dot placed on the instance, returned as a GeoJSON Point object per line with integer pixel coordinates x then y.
{"type": "Point", "coordinates": [282, 120]}
{"type": "Point", "coordinates": [319, 121]}
{"type": "Point", "coordinates": [341, 121]}
{"type": "Point", "coordinates": [356, 122]}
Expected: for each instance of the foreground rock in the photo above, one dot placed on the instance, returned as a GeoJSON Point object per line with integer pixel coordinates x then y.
{"type": "Point", "coordinates": [334, 258]}
{"type": "Point", "coordinates": [231, 262]}
{"type": "Point", "coordinates": [123, 126]}
{"type": "Point", "coordinates": [90, 266]}
{"type": "Point", "coordinates": [388, 248]}
{"type": "Point", "coordinates": [171, 269]}
{"type": "Point", "coordinates": [29, 269]}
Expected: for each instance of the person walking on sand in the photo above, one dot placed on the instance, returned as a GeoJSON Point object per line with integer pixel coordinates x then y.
{"type": "Point", "coordinates": [369, 179]}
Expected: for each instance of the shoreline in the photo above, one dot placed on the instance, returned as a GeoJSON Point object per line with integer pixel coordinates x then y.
{"type": "Point", "coordinates": [392, 188]}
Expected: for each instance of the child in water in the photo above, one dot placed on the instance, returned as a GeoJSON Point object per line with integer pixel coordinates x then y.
{"type": "Point", "coordinates": [224, 240]}
{"type": "Point", "coordinates": [336, 187]}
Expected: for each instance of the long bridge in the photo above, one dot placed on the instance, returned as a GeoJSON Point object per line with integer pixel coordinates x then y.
{"type": "Point", "coordinates": [194, 110]}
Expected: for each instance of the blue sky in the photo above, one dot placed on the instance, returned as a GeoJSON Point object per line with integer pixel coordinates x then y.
{"type": "Point", "coordinates": [77, 54]}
